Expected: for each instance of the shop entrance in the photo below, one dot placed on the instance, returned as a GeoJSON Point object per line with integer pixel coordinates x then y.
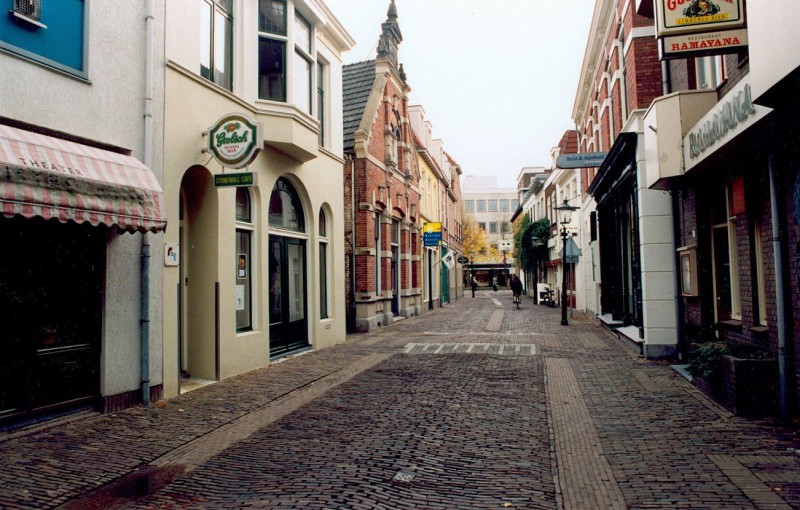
{"type": "Point", "coordinates": [288, 326]}
{"type": "Point", "coordinates": [51, 281]}
{"type": "Point", "coordinates": [288, 307]}
{"type": "Point", "coordinates": [198, 351]}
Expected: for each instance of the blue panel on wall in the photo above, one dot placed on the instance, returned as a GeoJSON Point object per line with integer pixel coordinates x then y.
{"type": "Point", "coordinates": [60, 43]}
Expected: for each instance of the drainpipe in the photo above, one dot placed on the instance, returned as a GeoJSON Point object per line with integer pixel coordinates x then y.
{"type": "Point", "coordinates": [352, 159]}
{"type": "Point", "coordinates": [780, 303]}
{"type": "Point", "coordinates": [144, 332]}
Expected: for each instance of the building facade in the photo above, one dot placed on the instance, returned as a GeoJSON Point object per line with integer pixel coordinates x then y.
{"type": "Point", "coordinates": [736, 196]}
{"type": "Point", "coordinates": [83, 210]}
{"type": "Point", "coordinates": [253, 182]}
{"type": "Point", "coordinates": [620, 77]}
{"type": "Point", "coordinates": [491, 207]}
{"type": "Point", "coordinates": [382, 179]}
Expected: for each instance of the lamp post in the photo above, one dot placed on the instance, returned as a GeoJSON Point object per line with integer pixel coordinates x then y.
{"type": "Point", "coordinates": [472, 272]}
{"type": "Point", "coordinates": [564, 215]}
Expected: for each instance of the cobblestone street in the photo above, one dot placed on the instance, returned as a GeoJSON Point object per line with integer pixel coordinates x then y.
{"type": "Point", "coordinates": [476, 405]}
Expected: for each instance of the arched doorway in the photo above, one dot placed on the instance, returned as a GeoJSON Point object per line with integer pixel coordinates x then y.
{"type": "Point", "coordinates": [288, 307]}
{"type": "Point", "coordinates": [199, 342]}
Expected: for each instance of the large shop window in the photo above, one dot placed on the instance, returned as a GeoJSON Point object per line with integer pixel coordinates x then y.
{"type": "Point", "coordinates": [51, 301]}
{"type": "Point", "coordinates": [244, 261]}
{"type": "Point", "coordinates": [272, 50]}
{"type": "Point", "coordinates": [216, 41]}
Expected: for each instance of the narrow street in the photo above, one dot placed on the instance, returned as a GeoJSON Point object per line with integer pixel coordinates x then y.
{"type": "Point", "coordinates": [477, 405]}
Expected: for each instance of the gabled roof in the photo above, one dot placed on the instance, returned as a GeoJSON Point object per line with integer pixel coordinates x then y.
{"type": "Point", "coordinates": [357, 80]}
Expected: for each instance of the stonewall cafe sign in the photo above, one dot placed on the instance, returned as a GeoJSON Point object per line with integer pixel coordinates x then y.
{"type": "Point", "coordinates": [694, 28]}
{"type": "Point", "coordinates": [235, 140]}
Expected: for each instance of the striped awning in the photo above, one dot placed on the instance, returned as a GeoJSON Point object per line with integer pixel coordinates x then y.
{"type": "Point", "coordinates": [42, 176]}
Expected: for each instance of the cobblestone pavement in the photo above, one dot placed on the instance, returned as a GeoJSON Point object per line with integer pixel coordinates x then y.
{"type": "Point", "coordinates": [476, 405]}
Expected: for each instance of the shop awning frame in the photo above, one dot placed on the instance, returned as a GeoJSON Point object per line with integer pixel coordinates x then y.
{"type": "Point", "coordinates": [51, 178]}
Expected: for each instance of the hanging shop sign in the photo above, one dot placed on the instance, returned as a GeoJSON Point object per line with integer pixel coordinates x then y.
{"type": "Point", "coordinates": [730, 118]}
{"type": "Point", "coordinates": [584, 160]}
{"type": "Point", "coordinates": [716, 27]}
{"type": "Point", "coordinates": [696, 16]}
{"type": "Point", "coordinates": [462, 260]}
{"type": "Point", "coordinates": [707, 43]}
{"type": "Point", "coordinates": [432, 234]}
{"type": "Point", "coordinates": [234, 180]}
{"type": "Point", "coordinates": [235, 140]}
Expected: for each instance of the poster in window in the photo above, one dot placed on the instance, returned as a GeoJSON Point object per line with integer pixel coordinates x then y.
{"type": "Point", "coordinates": [239, 298]}
{"type": "Point", "coordinates": [242, 266]}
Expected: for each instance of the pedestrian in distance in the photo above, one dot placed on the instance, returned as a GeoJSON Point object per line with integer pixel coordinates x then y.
{"type": "Point", "coordinates": [494, 283]}
{"type": "Point", "coordinates": [516, 289]}
{"type": "Point", "coordinates": [474, 285]}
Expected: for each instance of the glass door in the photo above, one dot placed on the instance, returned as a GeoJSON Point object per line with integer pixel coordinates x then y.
{"type": "Point", "coordinates": [288, 324]}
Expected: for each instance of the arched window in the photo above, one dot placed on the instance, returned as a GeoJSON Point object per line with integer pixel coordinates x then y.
{"type": "Point", "coordinates": [324, 272]}
{"type": "Point", "coordinates": [244, 277]}
{"type": "Point", "coordinates": [285, 209]}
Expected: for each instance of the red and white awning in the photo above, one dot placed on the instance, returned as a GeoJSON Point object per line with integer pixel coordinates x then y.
{"type": "Point", "coordinates": [68, 181]}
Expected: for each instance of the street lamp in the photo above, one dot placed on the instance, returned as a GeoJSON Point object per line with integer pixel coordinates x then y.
{"type": "Point", "coordinates": [564, 216]}
{"type": "Point", "coordinates": [472, 271]}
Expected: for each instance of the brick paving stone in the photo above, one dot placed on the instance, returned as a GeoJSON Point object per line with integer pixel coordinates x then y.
{"type": "Point", "coordinates": [332, 427]}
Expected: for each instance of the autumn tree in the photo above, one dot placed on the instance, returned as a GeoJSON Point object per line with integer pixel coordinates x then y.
{"type": "Point", "coordinates": [476, 241]}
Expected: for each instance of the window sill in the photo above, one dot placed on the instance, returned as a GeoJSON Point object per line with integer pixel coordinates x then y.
{"type": "Point", "coordinates": [760, 330]}
{"type": "Point", "coordinates": [732, 324]}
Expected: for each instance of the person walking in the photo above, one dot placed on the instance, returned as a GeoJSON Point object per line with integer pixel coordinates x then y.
{"type": "Point", "coordinates": [494, 283]}
{"type": "Point", "coordinates": [516, 289]}
{"type": "Point", "coordinates": [474, 285]}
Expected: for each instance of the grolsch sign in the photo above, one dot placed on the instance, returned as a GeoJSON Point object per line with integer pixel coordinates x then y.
{"type": "Point", "coordinates": [235, 140]}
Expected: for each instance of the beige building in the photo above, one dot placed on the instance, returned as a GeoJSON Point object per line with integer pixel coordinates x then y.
{"type": "Point", "coordinates": [255, 257]}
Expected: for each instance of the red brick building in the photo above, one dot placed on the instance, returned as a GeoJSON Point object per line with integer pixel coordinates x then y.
{"type": "Point", "coordinates": [381, 189]}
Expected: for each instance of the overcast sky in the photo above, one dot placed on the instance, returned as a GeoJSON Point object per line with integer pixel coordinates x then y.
{"type": "Point", "coordinates": [496, 79]}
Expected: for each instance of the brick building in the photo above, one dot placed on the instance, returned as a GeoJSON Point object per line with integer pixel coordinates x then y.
{"type": "Point", "coordinates": [381, 177]}
{"type": "Point", "coordinates": [728, 157]}
{"type": "Point", "coordinates": [620, 77]}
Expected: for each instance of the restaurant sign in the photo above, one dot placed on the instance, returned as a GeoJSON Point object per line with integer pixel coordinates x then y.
{"type": "Point", "coordinates": [695, 16]}
{"type": "Point", "coordinates": [730, 118]}
{"type": "Point", "coordinates": [708, 43]}
{"type": "Point", "coordinates": [235, 140]}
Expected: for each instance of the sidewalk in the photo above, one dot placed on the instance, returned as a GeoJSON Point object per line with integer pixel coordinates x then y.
{"type": "Point", "coordinates": [623, 432]}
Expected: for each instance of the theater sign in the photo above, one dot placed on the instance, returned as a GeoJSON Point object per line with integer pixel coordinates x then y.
{"type": "Point", "coordinates": [694, 28]}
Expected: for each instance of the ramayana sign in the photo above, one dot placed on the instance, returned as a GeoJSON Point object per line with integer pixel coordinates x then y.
{"type": "Point", "coordinates": [235, 140]}
{"type": "Point", "coordinates": [695, 16]}
{"type": "Point", "coordinates": [732, 116]}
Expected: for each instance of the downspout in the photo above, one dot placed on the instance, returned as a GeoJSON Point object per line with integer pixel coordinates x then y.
{"type": "Point", "coordinates": [353, 236]}
{"type": "Point", "coordinates": [144, 331]}
{"type": "Point", "coordinates": [780, 303]}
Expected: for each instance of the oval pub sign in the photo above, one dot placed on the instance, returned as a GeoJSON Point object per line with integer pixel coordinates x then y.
{"type": "Point", "coordinates": [235, 140]}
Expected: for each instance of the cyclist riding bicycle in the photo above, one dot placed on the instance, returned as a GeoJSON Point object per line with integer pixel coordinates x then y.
{"type": "Point", "coordinates": [516, 289]}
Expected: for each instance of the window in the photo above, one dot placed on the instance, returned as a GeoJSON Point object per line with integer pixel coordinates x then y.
{"type": "Point", "coordinates": [505, 227]}
{"type": "Point", "coordinates": [514, 205]}
{"type": "Point", "coordinates": [272, 50]}
{"type": "Point", "coordinates": [482, 226]}
{"type": "Point", "coordinates": [725, 255]}
{"type": "Point", "coordinates": [493, 227]}
{"type": "Point", "coordinates": [492, 205]}
{"type": "Point", "coordinates": [244, 232]}
{"type": "Point", "coordinates": [285, 209]}
{"type": "Point", "coordinates": [761, 289]}
{"type": "Point", "coordinates": [55, 35]}
{"type": "Point", "coordinates": [216, 53]}
{"type": "Point", "coordinates": [711, 72]}
{"type": "Point", "coordinates": [303, 64]}
{"type": "Point", "coordinates": [481, 205]}
{"type": "Point", "coordinates": [324, 298]}
{"type": "Point", "coordinates": [378, 253]}
{"type": "Point", "coordinates": [470, 206]}
{"type": "Point", "coordinates": [321, 101]}
{"type": "Point", "coordinates": [504, 205]}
